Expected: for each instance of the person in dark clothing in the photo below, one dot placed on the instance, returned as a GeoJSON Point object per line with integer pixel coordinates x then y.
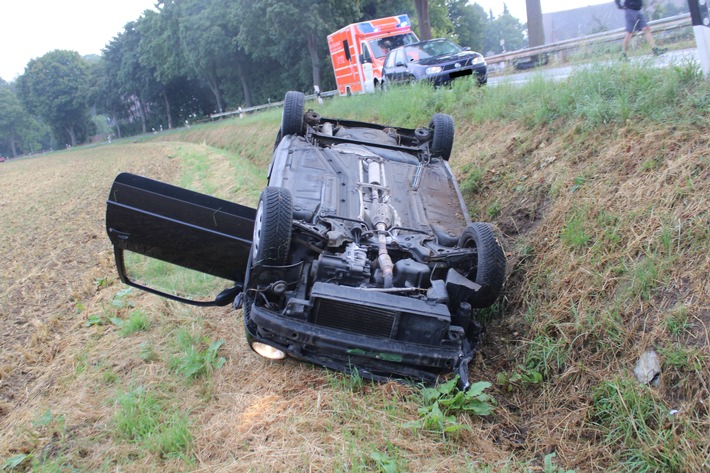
{"type": "Point", "coordinates": [636, 21]}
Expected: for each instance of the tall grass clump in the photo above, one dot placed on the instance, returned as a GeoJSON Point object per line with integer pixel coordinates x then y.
{"type": "Point", "coordinates": [631, 417]}
{"type": "Point", "coordinates": [615, 93]}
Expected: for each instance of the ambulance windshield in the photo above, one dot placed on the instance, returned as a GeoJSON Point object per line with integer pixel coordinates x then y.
{"type": "Point", "coordinates": [380, 47]}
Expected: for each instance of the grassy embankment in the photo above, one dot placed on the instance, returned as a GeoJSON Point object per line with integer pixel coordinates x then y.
{"type": "Point", "coordinates": [600, 185]}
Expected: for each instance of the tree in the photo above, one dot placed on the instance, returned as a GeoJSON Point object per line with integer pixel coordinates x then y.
{"type": "Point", "coordinates": [295, 26]}
{"type": "Point", "coordinates": [469, 22]}
{"type": "Point", "coordinates": [13, 118]}
{"type": "Point", "coordinates": [158, 49]}
{"type": "Point", "coordinates": [422, 7]}
{"type": "Point", "coordinates": [130, 83]}
{"type": "Point", "coordinates": [439, 20]}
{"type": "Point", "coordinates": [206, 39]}
{"type": "Point", "coordinates": [371, 9]}
{"type": "Point", "coordinates": [503, 33]}
{"type": "Point", "coordinates": [55, 87]}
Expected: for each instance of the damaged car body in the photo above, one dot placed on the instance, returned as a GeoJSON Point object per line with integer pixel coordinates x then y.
{"type": "Point", "coordinates": [360, 256]}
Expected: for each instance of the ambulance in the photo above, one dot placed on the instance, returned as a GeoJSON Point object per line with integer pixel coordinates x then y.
{"type": "Point", "coordinates": [358, 51]}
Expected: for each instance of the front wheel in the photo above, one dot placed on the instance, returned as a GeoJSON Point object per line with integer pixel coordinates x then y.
{"type": "Point", "coordinates": [489, 268]}
{"type": "Point", "coordinates": [272, 227]}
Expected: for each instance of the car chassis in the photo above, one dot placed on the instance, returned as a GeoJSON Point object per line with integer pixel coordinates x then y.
{"type": "Point", "coordinates": [360, 256]}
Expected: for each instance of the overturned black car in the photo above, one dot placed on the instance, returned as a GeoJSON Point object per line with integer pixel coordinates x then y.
{"type": "Point", "coordinates": [360, 256]}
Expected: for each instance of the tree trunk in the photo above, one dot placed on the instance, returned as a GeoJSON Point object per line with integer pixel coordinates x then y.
{"type": "Point", "coordinates": [536, 32]}
{"type": "Point", "coordinates": [315, 60]}
{"type": "Point", "coordinates": [13, 146]}
{"type": "Point", "coordinates": [213, 84]}
{"type": "Point", "coordinates": [245, 87]}
{"type": "Point", "coordinates": [167, 108]}
{"type": "Point", "coordinates": [114, 118]}
{"type": "Point", "coordinates": [422, 7]}
{"type": "Point", "coordinates": [72, 134]}
{"type": "Point", "coordinates": [143, 114]}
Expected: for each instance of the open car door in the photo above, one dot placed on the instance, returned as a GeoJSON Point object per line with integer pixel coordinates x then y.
{"type": "Point", "coordinates": [157, 230]}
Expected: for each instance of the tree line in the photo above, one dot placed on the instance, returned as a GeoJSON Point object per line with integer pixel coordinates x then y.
{"type": "Point", "coordinates": [190, 58]}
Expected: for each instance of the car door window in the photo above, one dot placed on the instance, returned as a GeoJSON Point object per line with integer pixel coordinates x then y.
{"type": "Point", "coordinates": [389, 62]}
{"type": "Point", "coordinates": [399, 57]}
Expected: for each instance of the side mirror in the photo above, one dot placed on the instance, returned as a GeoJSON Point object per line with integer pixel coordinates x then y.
{"type": "Point", "coordinates": [362, 59]}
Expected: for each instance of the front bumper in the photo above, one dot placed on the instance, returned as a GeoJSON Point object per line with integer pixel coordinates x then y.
{"type": "Point", "coordinates": [373, 357]}
{"type": "Point", "coordinates": [480, 71]}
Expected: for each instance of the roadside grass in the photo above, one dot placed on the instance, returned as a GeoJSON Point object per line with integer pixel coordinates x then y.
{"type": "Point", "coordinates": [599, 184]}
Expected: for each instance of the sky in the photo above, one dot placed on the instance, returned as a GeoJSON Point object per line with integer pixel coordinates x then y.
{"type": "Point", "coordinates": [31, 28]}
{"type": "Point", "coordinates": [517, 7]}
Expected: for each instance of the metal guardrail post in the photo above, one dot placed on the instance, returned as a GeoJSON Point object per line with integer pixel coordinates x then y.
{"type": "Point", "coordinates": [700, 17]}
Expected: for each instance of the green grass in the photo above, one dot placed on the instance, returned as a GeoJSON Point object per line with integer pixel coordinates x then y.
{"type": "Point", "coordinates": [598, 96]}
{"type": "Point", "coordinates": [575, 234]}
{"type": "Point", "coordinates": [472, 182]}
{"type": "Point", "coordinates": [677, 321]}
{"type": "Point", "coordinates": [136, 322]}
{"type": "Point", "coordinates": [631, 416]}
{"type": "Point", "coordinates": [145, 419]}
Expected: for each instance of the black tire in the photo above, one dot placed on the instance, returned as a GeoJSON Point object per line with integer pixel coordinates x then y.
{"type": "Point", "coordinates": [272, 227]}
{"type": "Point", "coordinates": [292, 117]}
{"type": "Point", "coordinates": [490, 263]}
{"type": "Point", "coordinates": [442, 130]}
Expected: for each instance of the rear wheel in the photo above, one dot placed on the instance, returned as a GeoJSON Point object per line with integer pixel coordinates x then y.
{"type": "Point", "coordinates": [442, 130]}
{"type": "Point", "coordinates": [272, 227]}
{"type": "Point", "coordinates": [489, 270]}
{"type": "Point", "coordinates": [292, 117]}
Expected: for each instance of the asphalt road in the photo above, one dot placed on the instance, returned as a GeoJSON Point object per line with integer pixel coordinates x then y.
{"type": "Point", "coordinates": [562, 72]}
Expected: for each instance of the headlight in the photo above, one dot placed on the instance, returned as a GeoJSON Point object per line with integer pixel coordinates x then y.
{"type": "Point", "coordinates": [478, 60]}
{"type": "Point", "coordinates": [433, 70]}
{"type": "Point", "coordinates": [267, 351]}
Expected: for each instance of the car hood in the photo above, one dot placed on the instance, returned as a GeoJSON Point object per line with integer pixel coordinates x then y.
{"type": "Point", "coordinates": [464, 56]}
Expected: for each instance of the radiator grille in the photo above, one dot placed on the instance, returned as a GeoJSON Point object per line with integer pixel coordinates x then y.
{"type": "Point", "coordinates": [355, 318]}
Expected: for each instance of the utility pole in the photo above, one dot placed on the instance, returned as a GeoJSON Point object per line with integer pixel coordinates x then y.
{"type": "Point", "coordinates": [536, 31]}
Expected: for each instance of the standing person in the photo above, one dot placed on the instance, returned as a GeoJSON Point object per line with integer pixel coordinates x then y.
{"type": "Point", "coordinates": [636, 21]}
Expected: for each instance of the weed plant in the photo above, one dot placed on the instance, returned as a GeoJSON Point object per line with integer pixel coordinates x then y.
{"type": "Point", "coordinates": [197, 355]}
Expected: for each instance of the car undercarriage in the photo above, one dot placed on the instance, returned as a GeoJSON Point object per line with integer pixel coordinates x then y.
{"type": "Point", "coordinates": [362, 256]}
